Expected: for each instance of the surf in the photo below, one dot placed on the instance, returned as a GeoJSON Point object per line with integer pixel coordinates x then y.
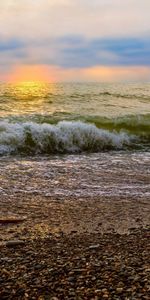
{"type": "Point", "coordinates": [63, 137]}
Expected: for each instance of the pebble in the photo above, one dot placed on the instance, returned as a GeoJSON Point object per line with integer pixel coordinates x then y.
{"type": "Point", "coordinates": [104, 291]}
{"type": "Point", "coordinates": [5, 259]}
{"type": "Point", "coordinates": [14, 243]}
{"type": "Point", "coordinates": [119, 289]}
{"type": "Point", "coordinates": [44, 271]}
{"type": "Point", "coordinates": [94, 247]}
{"type": "Point", "coordinates": [71, 279]}
{"type": "Point", "coordinates": [105, 296]}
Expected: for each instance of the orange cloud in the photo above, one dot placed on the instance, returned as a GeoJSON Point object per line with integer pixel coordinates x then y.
{"type": "Point", "coordinates": [102, 73]}
{"type": "Point", "coordinates": [43, 73]}
{"type": "Point", "coordinates": [119, 73]}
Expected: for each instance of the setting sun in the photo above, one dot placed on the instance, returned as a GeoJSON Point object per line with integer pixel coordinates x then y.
{"type": "Point", "coordinates": [29, 74]}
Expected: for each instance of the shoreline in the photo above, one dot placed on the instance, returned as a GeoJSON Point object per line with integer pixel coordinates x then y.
{"type": "Point", "coordinates": [75, 228]}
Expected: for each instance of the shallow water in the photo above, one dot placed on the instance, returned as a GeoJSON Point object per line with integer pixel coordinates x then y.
{"type": "Point", "coordinates": [104, 130]}
{"type": "Point", "coordinates": [110, 174]}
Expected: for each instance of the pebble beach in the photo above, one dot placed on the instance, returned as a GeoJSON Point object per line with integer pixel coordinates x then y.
{"type": "Point", "coordinates": [72, 247]}
{"type": "Point", "coordinates": [74, 191]}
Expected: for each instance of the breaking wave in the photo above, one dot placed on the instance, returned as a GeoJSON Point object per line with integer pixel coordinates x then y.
{"type": "Point", "coordinates": [64, 137]}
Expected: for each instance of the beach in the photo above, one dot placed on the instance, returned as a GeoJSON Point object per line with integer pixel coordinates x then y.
{"type": "Point", "coordinates": [74, 191]}
{"type": "Point", "coordinates": [77, 266]}
{"type": "Point", "coordinates": [64, 237]}
{"type": "Point", "coordinates": [74, 150]}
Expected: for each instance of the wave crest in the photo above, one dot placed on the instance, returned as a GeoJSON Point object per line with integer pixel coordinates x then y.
{"type": "Point", "coordinates": [64, 137]}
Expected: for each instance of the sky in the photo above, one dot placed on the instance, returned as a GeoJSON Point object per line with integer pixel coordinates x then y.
{"type": "Point", "coordinates": [75, 40]}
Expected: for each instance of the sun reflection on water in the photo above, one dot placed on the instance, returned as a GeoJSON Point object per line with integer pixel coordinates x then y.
{"type": "Point", "coordinates": [28, 97]}
{"type": "Point", "coordinates": [29, 90]}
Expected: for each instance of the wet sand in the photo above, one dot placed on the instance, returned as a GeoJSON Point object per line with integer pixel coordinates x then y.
{"type": "Point", "coordinates": [41, 216]}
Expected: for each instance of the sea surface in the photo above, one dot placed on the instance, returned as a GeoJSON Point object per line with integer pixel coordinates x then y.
{"type": "Point", "coordinates": [74, 136]}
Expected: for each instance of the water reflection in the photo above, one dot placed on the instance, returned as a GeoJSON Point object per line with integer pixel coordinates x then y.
{"type": "Point", "coordinates": [29, 90]}
{"type": "Point", "coordinates": [25, 97]}
{"type": "Point", "coordinates": [72, 100]}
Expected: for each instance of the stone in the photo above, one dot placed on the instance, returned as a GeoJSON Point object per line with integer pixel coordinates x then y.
{"type": "Point", "coordinates": [105, 296]}
{"type": "Point", "coordinates": [104, 290]}
{"type": "Point", "coordinates": [92, 247]}
{"type": "Point", "coordinates": [14, 243]}
{"type": "Point", "coordinates": [119, 290]}
{"type": "Point", "coordinates": [11, 220]}
{"type": "Point", "coordinates": [71, 279]}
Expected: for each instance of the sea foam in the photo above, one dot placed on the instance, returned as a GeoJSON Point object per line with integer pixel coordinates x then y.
{"type": "Point", "coordinates": [64, 137]}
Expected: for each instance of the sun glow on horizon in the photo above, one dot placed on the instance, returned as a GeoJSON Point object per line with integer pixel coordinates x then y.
{"type": "Point", "coordinates": [28, 75]}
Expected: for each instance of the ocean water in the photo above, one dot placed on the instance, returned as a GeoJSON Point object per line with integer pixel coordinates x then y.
{"type": "Point", "coordinates": [79, 128]}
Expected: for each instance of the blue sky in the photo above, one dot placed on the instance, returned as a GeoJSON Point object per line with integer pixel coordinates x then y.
{"type": "Point", "coordinates": [70, 38]}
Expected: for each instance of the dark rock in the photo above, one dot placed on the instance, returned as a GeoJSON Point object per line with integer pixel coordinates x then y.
{"type": "Point", "coordinates": [14, 243]}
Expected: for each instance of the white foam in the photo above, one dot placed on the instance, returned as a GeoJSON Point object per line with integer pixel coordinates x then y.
{"type": "Point", "coordinates": [65, 137]}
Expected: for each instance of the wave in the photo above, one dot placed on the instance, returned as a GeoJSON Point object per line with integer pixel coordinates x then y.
{"type": "Point", "coordinates": [64, 137]}
{"type": "Point", "coordinates": [126, 96]}
{"type": "Point", "coordinates": [111, 94]}
{"type": "Point", "coordinates": [133, 124]}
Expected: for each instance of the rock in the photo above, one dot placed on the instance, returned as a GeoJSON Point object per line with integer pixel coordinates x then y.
{"type": "Point", "coordinates": [94, 247]}
{"type": "Point", "coordinates": [79, 270]}
{"type": "Point", "coordinates": [73, 231]}
{"type": "Point", "coordinates": [119, 290]}
{"type": "Point", "coordinates": [72, 294]}
{"type": "Point", "coordinates": [12, 220]}
{"type": "Point", "coordinates": [6, 259]}
{"type": "Point", "coordinates": [38, 267]}
{"type": "Point", "coordinates": [104, 290]}
{"type": "Point", "coordinates": [120, 284]}
{"type": "Point", "coordinates": [93, 278]}
{"type": "Point", "coordinates": [105, 296]}
{"type": "Point", "coordinates": [147, 270]}
{"type": "Point", "coordinates": [14, 243]}
{"type": "Point", "coordinates": [98, 291]}
{"type": "Point", "coordinates": [71, 279]}
{"type": "Point", "coordinates": [5, 272]}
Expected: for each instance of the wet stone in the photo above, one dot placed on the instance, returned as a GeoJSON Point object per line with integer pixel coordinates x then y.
{"type": "Point", "coordinates": [119, 290]}
{"type": "Point", "coordinates": [93, 247]}
{"type": "Point", "coordinates": [15, 243]}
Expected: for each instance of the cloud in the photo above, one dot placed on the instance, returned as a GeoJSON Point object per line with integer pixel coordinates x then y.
{"type": "Point", "coordinates": [77, 52]}
{"type": "Point", "coordinates": [11, 44]}
{"type": "Point", "coordinates": [117, 74]}
{"type": "Point", "coordinates": [72, 34]}
{"type": "Point", "coordinates": [51, 18]}
{"type": "Point", "coordinates": [98, 73]}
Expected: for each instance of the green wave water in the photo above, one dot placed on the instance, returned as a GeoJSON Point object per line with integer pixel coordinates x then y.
{"type": "Point", "coordinates": [68, 137]}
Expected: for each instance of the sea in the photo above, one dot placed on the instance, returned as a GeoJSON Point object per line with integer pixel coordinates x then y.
{"type": "Point", "coordinates": [75, 139]}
